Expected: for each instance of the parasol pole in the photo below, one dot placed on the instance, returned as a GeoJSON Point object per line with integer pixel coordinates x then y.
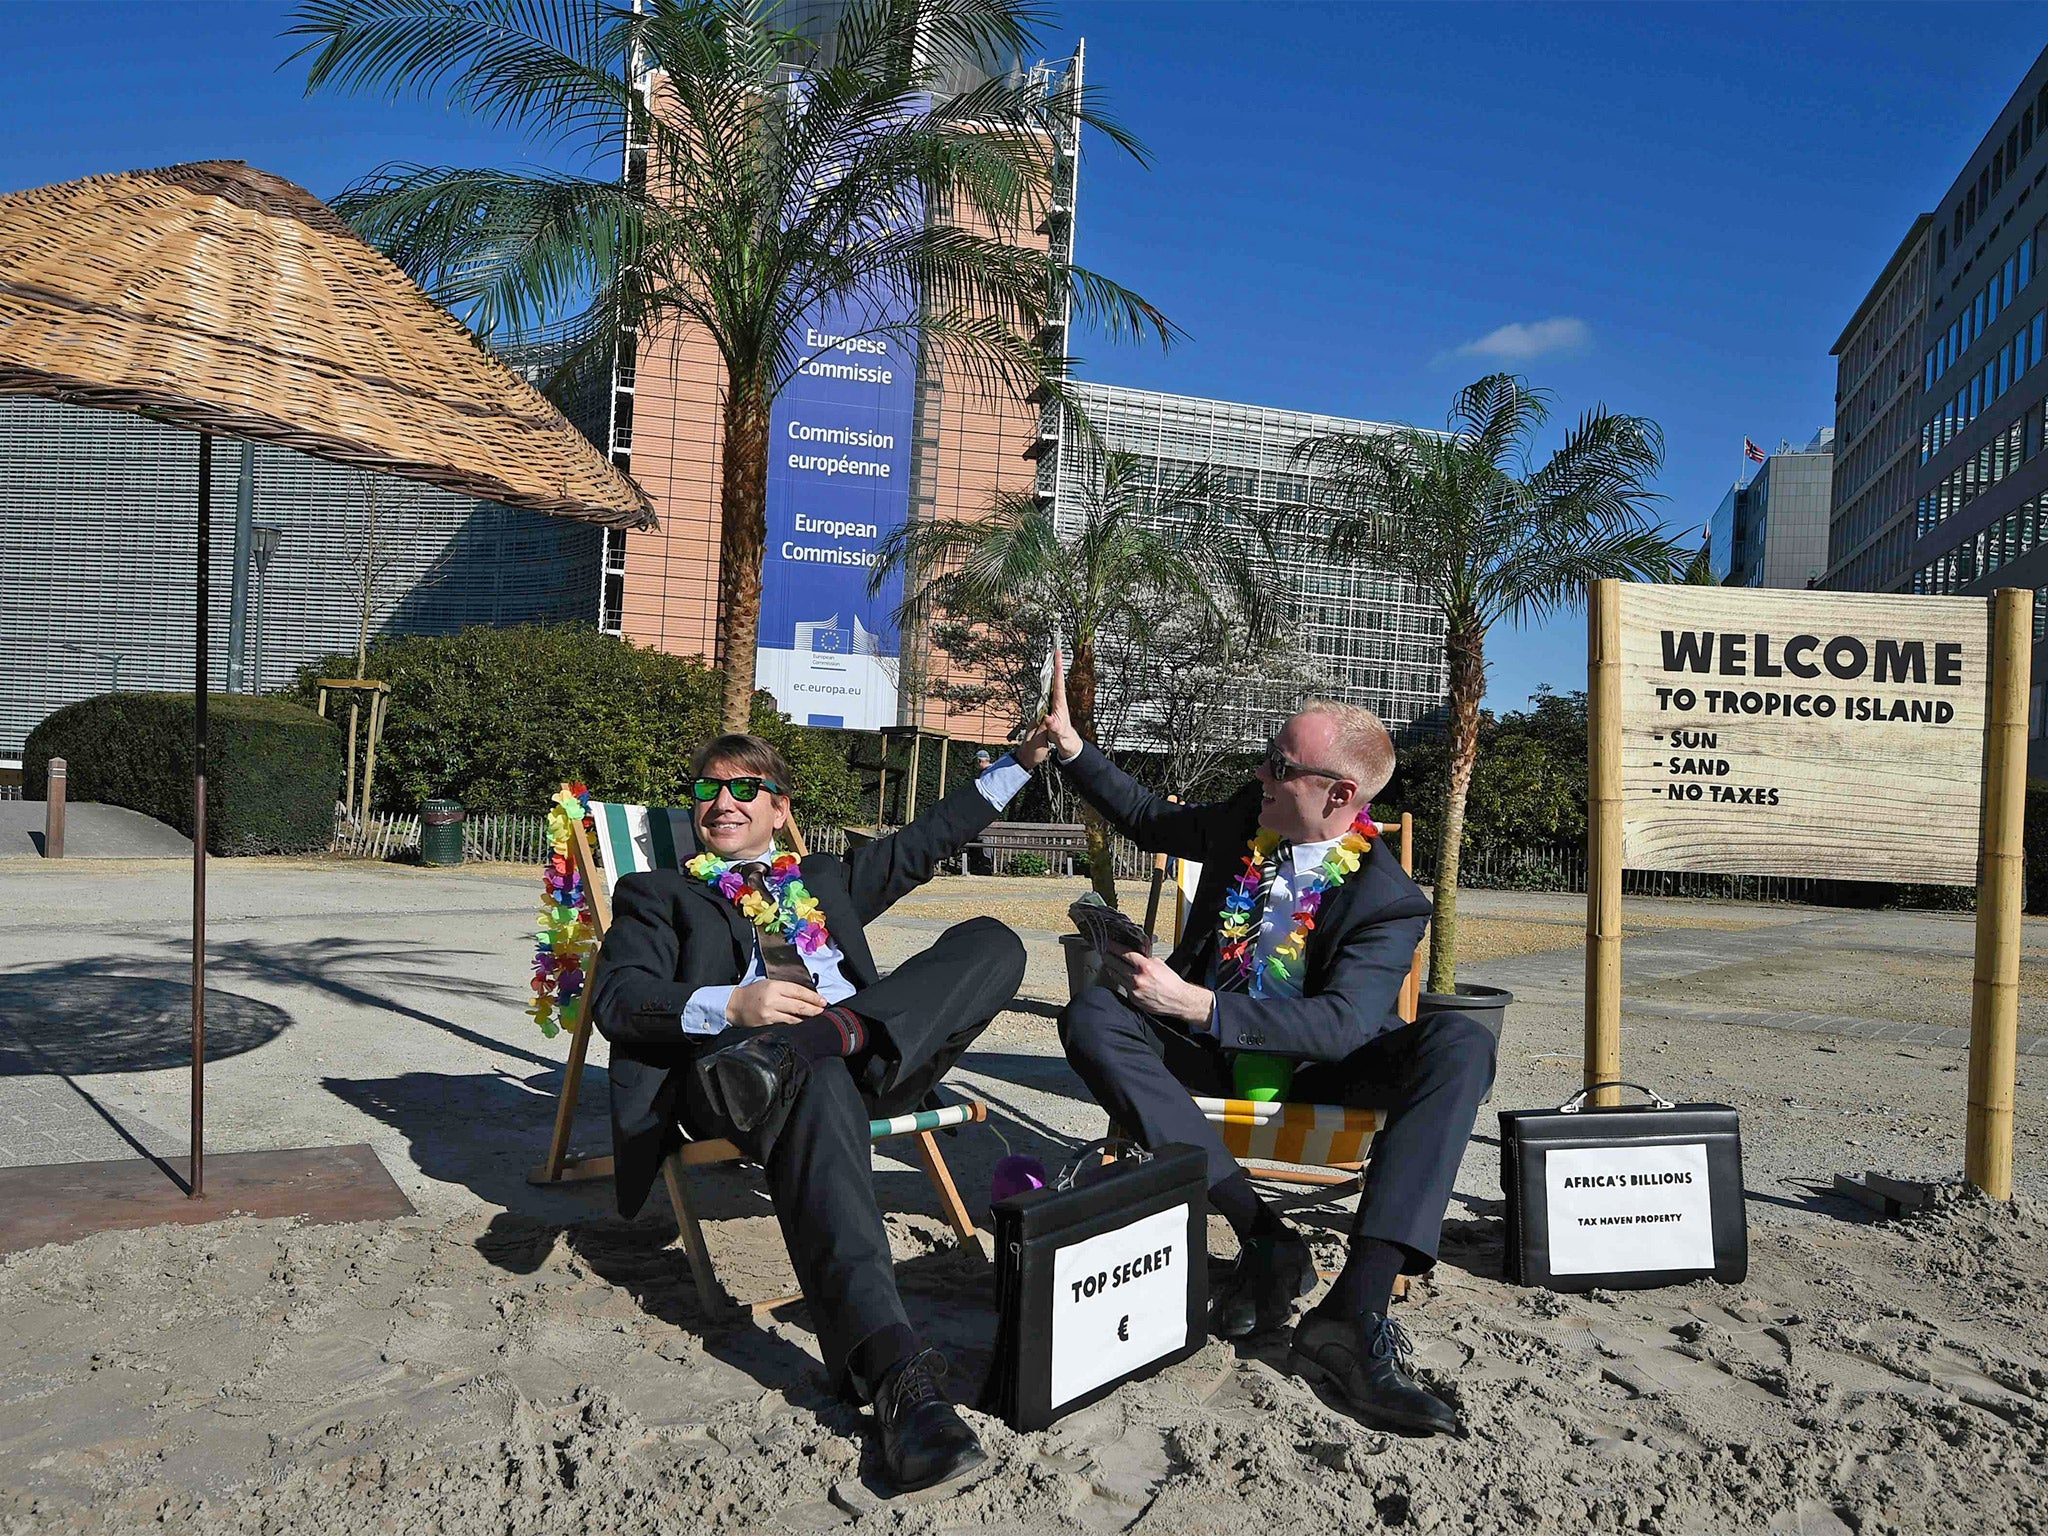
{"type": "Point", "coordinates": [199, 821]}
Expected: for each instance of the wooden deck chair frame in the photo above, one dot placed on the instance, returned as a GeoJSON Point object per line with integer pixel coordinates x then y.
{"type": "Point", "coordinates": [563, 1166]}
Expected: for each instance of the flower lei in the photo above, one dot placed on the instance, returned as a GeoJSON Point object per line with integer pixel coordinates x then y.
{"type": "Point", "coordinates": [792, 910]}
{"type": "Point", "coordinates": [1240, 933]}
{"type": "Point", "coordinates": [564, 934]}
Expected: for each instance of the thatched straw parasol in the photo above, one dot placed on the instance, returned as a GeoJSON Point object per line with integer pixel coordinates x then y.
{"type": "Point", "coordinates": [224, 299]}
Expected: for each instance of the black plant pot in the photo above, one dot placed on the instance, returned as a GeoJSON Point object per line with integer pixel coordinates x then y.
{"type": "Point", "coordinates": [1487, 1005]}
{"type": "Point", "coordinates": [1484, 1005]}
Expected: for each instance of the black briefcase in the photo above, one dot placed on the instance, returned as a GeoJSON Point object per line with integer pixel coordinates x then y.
{"type": "Point", "coordinates": [1101, 1278]}
{"type": "Point", "coordinates": [1623, 1198]}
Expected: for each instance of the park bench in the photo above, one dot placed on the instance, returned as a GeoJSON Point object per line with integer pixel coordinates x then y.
{"type": "Point", "coordinates": [636, 837]}
{"type": "Point", "coordinates": [1062, 839]}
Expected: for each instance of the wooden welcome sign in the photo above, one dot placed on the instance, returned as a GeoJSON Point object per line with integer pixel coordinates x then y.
{"type": "Point", "coordinates": [1845, 735]}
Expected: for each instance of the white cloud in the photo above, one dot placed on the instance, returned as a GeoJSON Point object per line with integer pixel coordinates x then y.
{"type": "Point", "coordinates": [1523, 340]}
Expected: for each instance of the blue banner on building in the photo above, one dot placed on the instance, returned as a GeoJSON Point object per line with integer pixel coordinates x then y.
{"type": "Point", "coordinates": [838, 484]}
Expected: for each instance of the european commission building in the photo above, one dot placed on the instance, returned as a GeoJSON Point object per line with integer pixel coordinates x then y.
{"type": "Point", "coordinates": [1365, 636]}
{"type": "Point", "coordinates": [97, 547]}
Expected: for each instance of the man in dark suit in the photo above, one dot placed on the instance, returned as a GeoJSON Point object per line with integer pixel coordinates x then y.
{"type": "Point", "coordinates": [1250, 976]}
{"type": "Point", "coordinates": [741, 1000]}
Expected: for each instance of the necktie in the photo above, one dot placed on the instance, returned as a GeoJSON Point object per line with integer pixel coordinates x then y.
{"type": "Point", "coordinates": [779, 958]}
{"type": "Point", "coordinates": [1234, 980]}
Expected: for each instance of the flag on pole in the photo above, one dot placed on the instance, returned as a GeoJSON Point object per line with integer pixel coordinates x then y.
{"type": "Point", "coordinates": [1750, 451]}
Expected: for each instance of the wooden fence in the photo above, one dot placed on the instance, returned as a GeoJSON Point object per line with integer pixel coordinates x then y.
{"type": "Point", "coordinates": [496, 837]}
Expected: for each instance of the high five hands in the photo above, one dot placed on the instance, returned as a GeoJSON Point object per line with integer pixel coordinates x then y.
{"type": "Point", "coordinates": [1054, 730]}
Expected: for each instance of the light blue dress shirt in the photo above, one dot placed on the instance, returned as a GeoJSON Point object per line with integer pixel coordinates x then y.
{"type": "Point", "coordinates": [704, 1013]}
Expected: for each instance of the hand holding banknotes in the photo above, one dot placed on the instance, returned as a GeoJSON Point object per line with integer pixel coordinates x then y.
{"type": "Point", "coordinates": [1152, 986]}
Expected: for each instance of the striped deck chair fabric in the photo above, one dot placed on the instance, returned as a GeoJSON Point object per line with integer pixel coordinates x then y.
{"type": "Point", "coordinates": [1323, 1134]}
{"type": "Point", "coordinates": [633, 839]}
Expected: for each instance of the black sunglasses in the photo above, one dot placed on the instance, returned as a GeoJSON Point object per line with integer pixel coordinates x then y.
{"type": "Point", "coordinates": [704, 791]}
{"type": "Point", "coordinates": [1282, 767]}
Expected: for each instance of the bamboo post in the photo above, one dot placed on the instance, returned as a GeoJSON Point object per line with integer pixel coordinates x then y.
{"type": "Point", "coordinates": [1603, 840]}
{"type": "Point", "coordinates": [2001, 895]}
{"type": "Point", "coordinates": [945, 743]}
{"type": "Point", "coordinates": [910, 807]}
{"type": "Point", "coordinates": [53, 810]}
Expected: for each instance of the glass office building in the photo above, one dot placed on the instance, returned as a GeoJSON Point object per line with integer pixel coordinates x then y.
{"type": "Point", "coordinates": [97, 553]}
{"type": "Point", "coordinates": [1366, 637]}
{"type": "Point", "coordinates": [1958, 403]}
{"type": "Point", "coordinates": [1773, 531]}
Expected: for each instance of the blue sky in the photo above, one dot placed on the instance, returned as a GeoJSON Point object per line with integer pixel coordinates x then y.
{"type": "Point", "coordinates": [1669, 209]}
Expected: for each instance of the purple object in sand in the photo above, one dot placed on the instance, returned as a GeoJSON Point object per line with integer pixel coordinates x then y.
{"type": "Point", "coordinates": [1014, 1175]}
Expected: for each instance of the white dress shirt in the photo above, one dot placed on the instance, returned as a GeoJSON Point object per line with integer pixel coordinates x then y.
{"type": "Point", "coordinates": [704, 1013]}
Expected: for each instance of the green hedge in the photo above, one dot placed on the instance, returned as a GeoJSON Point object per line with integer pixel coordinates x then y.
{"type": "Point", "coordinates": [498, 718]}
{"type": "Point", "coordinates": [273, 768]}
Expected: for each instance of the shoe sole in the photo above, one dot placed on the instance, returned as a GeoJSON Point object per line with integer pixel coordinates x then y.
{"type": "Point", "coordinates": [973, 1458]}
{"type": "Point", "coordinates": [707, 1074]}
{"type": "Point", "coordinates": [1321, 1376]}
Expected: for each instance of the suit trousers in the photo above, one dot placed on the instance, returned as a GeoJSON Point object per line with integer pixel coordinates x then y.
{"type": "Point", "coordinates": [820, 1171]}
{"type": "Point", "coordinates": [1428, 1077]}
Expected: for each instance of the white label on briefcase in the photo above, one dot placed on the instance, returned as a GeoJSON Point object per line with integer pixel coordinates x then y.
{"type": "Point", "coordinates": [1617, 1210]}
{"type": "Point", "coordinates": [1118, 1301]}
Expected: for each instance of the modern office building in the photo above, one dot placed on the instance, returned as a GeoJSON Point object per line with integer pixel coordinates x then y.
{"type": "Point", "coordinates": [1365, 636]}
{"type": "Point", "coordinates": [98, 539]}
{"type": "Point", "coordinates": [865, 439]}
{"type": "Point", "coordinates": [1974, 393]}
{"type": "Point", "coordinates": [1773, 530]}
{"type": "Point", "coordinates": [1877, 427]}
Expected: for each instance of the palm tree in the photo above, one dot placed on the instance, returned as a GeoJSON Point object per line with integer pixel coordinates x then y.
{"type": "Point", "coordinates": [780, 178]}
{"type": "Point", "coordinates": [1128, 548]}
{"type": "Point", "coordinates": [1462, 517]}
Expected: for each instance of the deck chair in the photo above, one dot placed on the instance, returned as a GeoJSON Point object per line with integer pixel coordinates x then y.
{"type": "Point", "coordinates": [633, 838]}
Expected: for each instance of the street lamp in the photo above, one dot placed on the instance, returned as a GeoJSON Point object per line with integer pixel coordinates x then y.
{"type": "Point", "coordinates": [113, 657]}
{"type": "Point", "coordinates": [263, 541]}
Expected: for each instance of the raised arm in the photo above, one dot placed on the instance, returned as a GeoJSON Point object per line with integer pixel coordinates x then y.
{"type": "Point", "coordinates": [1155, 823]}
{"type": "Point", "coordinates": [883, 872]}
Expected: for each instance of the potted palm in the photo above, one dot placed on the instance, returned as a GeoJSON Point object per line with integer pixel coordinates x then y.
{"type": "Point", "coordinates": [1465, 518]}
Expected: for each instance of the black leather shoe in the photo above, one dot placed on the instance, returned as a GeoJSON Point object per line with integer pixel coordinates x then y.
{"type": "Point", "coordinates": [924, 1440]}
{"type": "Point", "coordinates": [1272, 1274]}
{"type": "Point", "coordinates": [1365, 1362]}
{"type": "Point", "coordinates": [754, 1082]}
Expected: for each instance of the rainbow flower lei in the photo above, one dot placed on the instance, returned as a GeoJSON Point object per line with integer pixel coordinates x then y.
{"type": "Point", "coordinates": [1240, 934]}
{"type": "Point", "coordinates": [794, 911]}
{"type": "Point", "coordinates": [565, 934]}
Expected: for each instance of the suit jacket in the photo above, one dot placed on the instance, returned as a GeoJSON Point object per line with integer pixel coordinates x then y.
{"type": "Point", "coordinates": [671, 934]}
{"type": "Point", "coordinates": [1355, 959]}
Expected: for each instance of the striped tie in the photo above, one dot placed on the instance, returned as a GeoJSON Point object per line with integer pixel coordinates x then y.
{"type": "Point", "coordinates": [1235, 980]}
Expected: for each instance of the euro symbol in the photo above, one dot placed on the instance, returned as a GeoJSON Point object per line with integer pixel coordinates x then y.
{"type": "Point", "coordinates": [1123, 1327]}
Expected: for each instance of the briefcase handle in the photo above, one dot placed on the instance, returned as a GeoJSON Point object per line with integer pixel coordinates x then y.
{"type": "Point", "coordinates": [1576, 1102]}
{"type": "Point", "coordinates": [1127, 1148]}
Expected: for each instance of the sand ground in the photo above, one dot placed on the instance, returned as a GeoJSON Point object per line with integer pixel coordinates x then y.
{"type": "Point", "coordinates": [522, 1360]}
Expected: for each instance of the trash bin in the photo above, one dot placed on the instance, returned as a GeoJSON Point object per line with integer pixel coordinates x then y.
{"type": "Point", "coordinates": [441, 829]}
